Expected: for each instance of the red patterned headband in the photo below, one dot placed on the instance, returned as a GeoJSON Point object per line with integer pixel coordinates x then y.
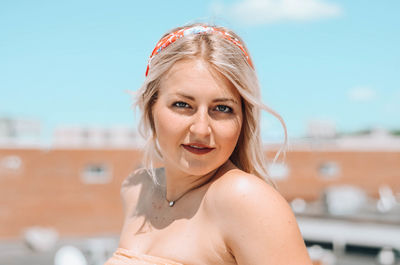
{"type": "Point", "coordinates": [172, 37]}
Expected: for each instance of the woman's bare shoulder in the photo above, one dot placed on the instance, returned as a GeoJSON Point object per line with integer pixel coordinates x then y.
{"type": "Point", "coordinates": [236, 187]}
{"type": "Point", "coordinates": [134, 185]}
{"type": "Point", "coordinates": [134, 179]}
{"type": "Point", "coordinates": [255, 221]}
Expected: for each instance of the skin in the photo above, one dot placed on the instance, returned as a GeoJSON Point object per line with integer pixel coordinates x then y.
{"type": "Point", "coordinates": [222, 215]}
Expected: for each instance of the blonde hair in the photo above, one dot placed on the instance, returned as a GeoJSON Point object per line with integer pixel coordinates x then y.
{"type": "Point", "coordinates": [226, 58]}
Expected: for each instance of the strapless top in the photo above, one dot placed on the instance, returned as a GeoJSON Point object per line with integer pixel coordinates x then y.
{"type": "Point", "coordinates": [127, 257]}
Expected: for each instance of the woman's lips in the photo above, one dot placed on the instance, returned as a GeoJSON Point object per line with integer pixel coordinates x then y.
{"type": "Point", "coordinates": [197, 149]}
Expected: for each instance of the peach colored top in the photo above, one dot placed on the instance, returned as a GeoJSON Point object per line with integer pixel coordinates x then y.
{"type": "Point", "coordinates": [127, 257]}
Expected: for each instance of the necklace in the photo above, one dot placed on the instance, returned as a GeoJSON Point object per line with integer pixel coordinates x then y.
{"type": "Point", "coordinates": [172, 203]}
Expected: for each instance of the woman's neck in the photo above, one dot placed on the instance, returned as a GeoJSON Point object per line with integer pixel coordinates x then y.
{"type": "Point", "coordinates": [178, 184]}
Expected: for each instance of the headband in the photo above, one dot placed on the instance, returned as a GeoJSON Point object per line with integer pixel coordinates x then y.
{"type": "Point", "coordinates": [172, 37]}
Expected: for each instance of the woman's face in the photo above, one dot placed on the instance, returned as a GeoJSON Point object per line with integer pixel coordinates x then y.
{"type": "Point", "coordinates": [197, 118]}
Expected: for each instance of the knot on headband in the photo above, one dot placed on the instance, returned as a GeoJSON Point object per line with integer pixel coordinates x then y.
{"type": "Point", "coordinates": [172, 37]}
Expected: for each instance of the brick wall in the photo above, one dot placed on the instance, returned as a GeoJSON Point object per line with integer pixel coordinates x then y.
{"type": "Point", "coordinates": [367, 170]}
{"type": "Point", "coordinates": [47, 190]}
{"type": "Point", "coordinates": [45, 187]}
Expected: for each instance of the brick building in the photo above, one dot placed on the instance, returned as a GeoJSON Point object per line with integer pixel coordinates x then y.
{"type": "Point", "coordinates": [76, 191]}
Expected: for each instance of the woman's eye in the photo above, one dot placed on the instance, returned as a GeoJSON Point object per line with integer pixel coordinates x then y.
{"type": "Point", "coordinates": [180, 104]}
{"type": "Point", "coordinates": [224, 109]}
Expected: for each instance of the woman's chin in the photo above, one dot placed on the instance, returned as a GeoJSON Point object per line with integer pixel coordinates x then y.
{"type": "Point", "coordinates": [201, 168]}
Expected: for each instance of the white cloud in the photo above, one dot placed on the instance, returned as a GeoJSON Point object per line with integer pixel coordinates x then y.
{"type": "Point", "coordinates": [361, 94]}
{"type": "Point", "coordinates": [269, 11]}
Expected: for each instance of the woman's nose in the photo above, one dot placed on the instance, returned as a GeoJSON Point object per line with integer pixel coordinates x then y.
{"type": "Point", "coordinates": [201, 124]}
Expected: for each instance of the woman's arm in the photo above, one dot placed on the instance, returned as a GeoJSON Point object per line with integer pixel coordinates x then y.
{"type": "Point", "coordinates": [256, 222]}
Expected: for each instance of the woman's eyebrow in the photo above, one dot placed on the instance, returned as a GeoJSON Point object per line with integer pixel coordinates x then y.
{"type": "Point", "coordinates": [185, 96]}
{"type": "Point", "coordinates": [217, 100]}
{"type": "Point", "coordinates": [225, 100]}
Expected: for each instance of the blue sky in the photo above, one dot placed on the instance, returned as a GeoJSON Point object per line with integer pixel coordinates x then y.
{"type": "Point", "coordinates": [71, 62]}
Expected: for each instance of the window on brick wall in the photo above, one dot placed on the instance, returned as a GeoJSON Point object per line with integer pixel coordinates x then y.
{"type": "Point", "coordinates": [11, 162]}
{"type": "Point", "coordinates": [329, 170]}
{"type": "Point", "coordinates": [11, 165]}
{"type": "Point", "coordinates": [96, 173]}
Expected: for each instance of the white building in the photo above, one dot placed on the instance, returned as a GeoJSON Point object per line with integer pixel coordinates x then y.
{"type": "Point", "coordinates": [19, 132]}
{"type": "Point", "coordinates": [96, 137]}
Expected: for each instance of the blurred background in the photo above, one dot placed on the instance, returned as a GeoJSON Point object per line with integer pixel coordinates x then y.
{"type": "Point", "coordinates": [68, 133]}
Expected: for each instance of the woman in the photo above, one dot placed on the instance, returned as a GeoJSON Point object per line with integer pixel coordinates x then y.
{"type": "Point", "coordinates": [210, 203]}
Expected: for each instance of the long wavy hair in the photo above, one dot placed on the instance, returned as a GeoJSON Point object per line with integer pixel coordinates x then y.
{"type": "Point", "coordinates": [226, 58]}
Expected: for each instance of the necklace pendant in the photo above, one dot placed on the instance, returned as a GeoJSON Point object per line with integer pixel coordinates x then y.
{"type": "Point", "coordinates": [171, 203]}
